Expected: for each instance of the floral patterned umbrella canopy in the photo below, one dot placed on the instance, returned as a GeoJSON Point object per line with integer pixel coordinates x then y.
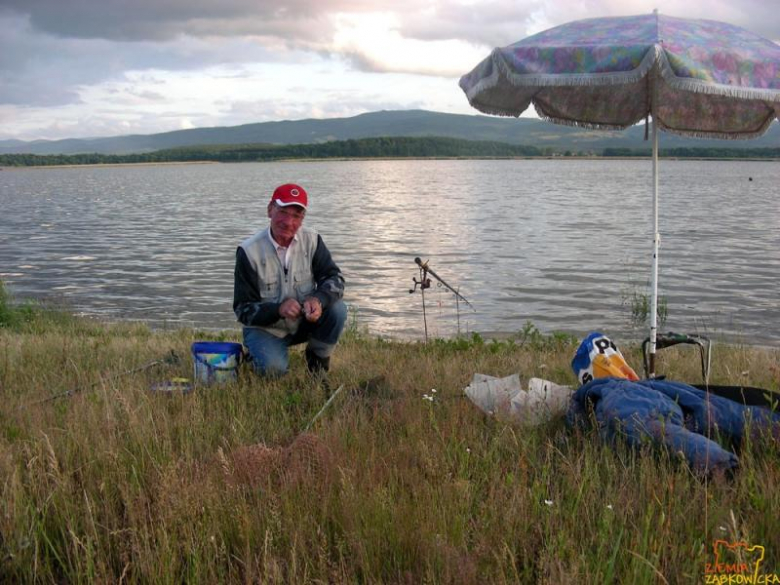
{"type": "Point", "coordinates": [692, 77]}
{"type": "Point", "coordinates": [695, 77]}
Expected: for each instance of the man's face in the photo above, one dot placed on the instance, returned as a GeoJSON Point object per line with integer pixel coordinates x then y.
{"type": "Point", "coordinates": [285, 222]}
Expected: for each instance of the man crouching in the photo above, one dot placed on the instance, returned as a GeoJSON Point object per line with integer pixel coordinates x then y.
{"type": "Point", "coordinates": [287, 289]}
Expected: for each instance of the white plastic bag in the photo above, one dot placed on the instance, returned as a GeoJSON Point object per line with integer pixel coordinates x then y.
{"type": "Point", "coordinates": [506, 399]}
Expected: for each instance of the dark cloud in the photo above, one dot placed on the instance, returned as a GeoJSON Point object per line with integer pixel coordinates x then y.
{"type": "Point", "coordinates": [298, 21]}
{"type": "Point", "coordinates": [309, 24]}
{"type": "Point", "coordinates": [158, 20]}
{"type": "Point", "coordinates": [38, 69]}
{"type": "Point", "coordinates": [488, 22]}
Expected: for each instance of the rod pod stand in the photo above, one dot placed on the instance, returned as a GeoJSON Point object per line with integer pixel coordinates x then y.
{"type": "Point", "coordinates": [425, 282]}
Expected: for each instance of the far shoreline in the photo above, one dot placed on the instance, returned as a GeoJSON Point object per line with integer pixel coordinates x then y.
{"type": "Point", "coordinates": [391, 158]}
{"type": "Point", "coordinates": [93, 165]}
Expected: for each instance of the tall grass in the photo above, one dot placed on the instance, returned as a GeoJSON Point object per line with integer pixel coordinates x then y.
{"type": "Point", "coordinates": [116, 483]}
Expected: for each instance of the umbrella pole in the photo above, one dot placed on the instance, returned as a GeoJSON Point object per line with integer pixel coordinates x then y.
{"type": "Point", "coordinates": [656, 241]}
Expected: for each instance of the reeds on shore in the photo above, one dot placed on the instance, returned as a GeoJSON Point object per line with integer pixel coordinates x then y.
{"type": "Point", "coordinates": [114, 482]}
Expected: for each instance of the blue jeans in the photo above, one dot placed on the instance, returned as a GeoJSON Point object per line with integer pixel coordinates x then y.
{"type": "Point", "coordinates": [269, 352]}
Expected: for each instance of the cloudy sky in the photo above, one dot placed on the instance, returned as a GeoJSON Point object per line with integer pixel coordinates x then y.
{"type": "Point", "coordinates": [81, 68]}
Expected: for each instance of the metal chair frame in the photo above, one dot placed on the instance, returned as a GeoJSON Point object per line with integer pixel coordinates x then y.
{"type": "Point", "coordinates": [670, 339]}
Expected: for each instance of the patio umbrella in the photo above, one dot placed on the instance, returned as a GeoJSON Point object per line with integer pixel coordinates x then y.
{"type": "Point", "coordinates": [698, 78]}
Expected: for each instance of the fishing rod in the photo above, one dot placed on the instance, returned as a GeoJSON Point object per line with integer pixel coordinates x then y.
{"type": "Point", "coordinates": [425, 268]}
{"type": "Point", "coordinates": [424, 283]}
{"type": "Point", "coordinates": [170, 359]}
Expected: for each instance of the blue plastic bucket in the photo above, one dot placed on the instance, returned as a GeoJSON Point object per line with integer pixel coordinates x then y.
{"type": "Point", "coordinates": [216, 362]}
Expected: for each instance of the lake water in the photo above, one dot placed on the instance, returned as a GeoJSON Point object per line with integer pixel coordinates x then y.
{"type": "Point", "coordinates": [565, 244]}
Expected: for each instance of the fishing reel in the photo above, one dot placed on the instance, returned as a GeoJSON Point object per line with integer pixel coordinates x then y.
{"type": "Point", "coordinates": [423, 284]}
{"type": "Point", "coordinates": [424, 281]}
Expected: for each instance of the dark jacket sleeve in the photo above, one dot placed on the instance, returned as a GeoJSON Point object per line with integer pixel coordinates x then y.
{"type": "Point", "coordinates": [330, 282]}
{"type": "Point", "coordinates": [248, 304]}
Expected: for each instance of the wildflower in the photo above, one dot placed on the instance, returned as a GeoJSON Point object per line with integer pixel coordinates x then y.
{"type": "Point", "coordinates": [427, 397]}
{"type": "Point", "coordinates": [433, 390]}
{"type": "Point", "coordinates": [722, 528]}
{"type": "Point", "coordinates": [609, 507]}
{"type": "Point", "coordinates": [548, 502]}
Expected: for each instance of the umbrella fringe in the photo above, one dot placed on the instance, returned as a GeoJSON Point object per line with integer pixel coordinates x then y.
{"type": "Point", "coordinates": [688, 133]}
{"type": "Point", "coordinates": [576, 123]}
{"type": "Point", "coordinates": [494, 112]}
{"type": "Point", "coordinates": [712, 135]}
{"type": "Point", "coordinates": [718, 135]}
{"type": "Point", "coordinates": [500, 68]}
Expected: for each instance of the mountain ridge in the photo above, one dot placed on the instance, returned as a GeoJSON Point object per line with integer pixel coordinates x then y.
{"type": "Point", "coordinates": [393, 123]}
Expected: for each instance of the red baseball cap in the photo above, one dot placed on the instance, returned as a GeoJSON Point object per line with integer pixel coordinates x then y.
{"type": "Point", "coordinates": [290, 194]}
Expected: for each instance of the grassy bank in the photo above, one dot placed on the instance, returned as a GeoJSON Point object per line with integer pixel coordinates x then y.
{"type": "Point", "coordinates": [116, 483]}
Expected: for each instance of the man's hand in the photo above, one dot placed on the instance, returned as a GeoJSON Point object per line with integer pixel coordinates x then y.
{"type": "Point", "coordinates": [312, 309]}
{"type": "Point", "coordinates": [290, 309]}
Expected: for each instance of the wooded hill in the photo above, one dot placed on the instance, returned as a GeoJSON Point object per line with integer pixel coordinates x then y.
{"type": "Point", "coordinates": [387, 147]}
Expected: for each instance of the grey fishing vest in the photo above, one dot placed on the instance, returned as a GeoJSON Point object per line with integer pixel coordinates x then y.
{"type": "Point", "coordinates": [274, 283]}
